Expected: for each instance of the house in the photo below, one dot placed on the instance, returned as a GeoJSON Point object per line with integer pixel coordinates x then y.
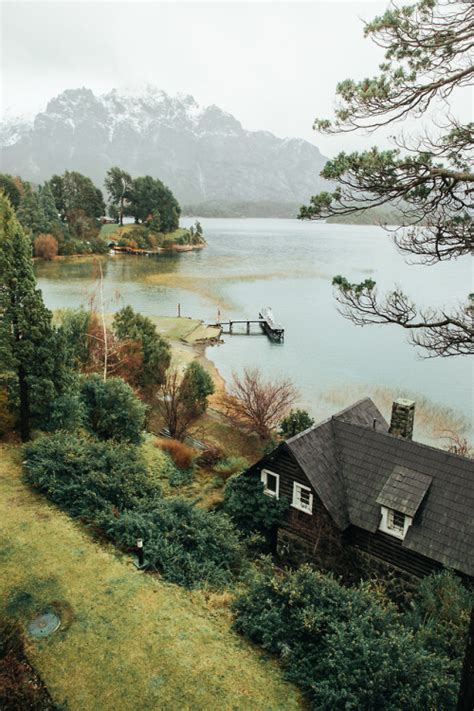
{"type": "Point", "coordinates": [358, 482]}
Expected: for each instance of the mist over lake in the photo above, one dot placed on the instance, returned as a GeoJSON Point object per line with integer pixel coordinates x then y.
{"type": "Point", "coordinates": [289, 265]}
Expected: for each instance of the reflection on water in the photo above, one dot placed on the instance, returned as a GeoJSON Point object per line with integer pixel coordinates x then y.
{"type": "Point", "coordinates": [289, 265]}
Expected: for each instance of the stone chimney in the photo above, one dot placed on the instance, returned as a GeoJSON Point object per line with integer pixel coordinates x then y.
{"type": "Point", "coordinates": [403, 418]}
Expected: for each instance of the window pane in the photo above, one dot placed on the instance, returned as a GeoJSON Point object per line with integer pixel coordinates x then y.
{"type": "Point", "coordinates": [398, 519]}
{"type": "Point", "coordinates": [305, 497]}
{"type": "Point", "coordinates": [271, 482]}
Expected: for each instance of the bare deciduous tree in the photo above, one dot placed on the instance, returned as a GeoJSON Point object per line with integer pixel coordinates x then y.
{"type": "Point", "coordinates": [258, 405]}
{"type": "Point", "coordinates": [457, 444]}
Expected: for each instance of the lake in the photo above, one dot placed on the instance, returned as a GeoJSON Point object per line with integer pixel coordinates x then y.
{"type": "Point", "coordinates": [289, 265]}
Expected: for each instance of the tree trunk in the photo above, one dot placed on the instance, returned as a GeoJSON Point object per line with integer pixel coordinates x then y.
{"type": "Point", "coordinates": [466, 690]}
{"type": "Point", "coordinates": [104, 325]}
{"type": "Point", "coordinates": [24, 405]}
{"type": "Point", "coordinates": [121, 211]}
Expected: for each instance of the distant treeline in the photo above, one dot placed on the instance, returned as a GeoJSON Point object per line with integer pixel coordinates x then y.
{"type": "Point", "coordinates": [387, 215]}
{"type": "Point", "coordinates": [263, 208]}
{"type": "Point", "coordinates": [64, 215]}
{"type": "Point", "coordinates": [266, 208]}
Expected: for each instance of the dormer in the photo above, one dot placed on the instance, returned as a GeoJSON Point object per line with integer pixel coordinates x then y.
{"type": "Point", "coordinates": [400, 499]}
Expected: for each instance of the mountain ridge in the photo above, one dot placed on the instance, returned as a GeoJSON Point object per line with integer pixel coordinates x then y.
{"type": "Point", "coordinates": [201, 152]}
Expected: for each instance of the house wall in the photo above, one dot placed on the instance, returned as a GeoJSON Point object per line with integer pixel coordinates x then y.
{"type": "Point", "coordinates": [389, 549]}
{"type": "Point", "coordinates": [305, 537]}
{"type": "Point", "coordinates": [302, 536]}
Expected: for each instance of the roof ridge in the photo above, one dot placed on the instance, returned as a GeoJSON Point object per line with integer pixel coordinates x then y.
{"type": "Point", "coordinates": [330, 418]}
{"type": "Point", "coordinates": [408, 441]}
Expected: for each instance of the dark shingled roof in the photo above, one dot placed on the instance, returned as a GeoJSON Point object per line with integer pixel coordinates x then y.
{"type": "Point", "coordinates": [314, 450]}
{"type": "Point", "coordinates": [404, 490]}
{"type": "Point", "coordinates": [350, 464]}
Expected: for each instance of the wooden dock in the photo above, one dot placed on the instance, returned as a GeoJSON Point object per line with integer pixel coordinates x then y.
{"type": "Point", "coordinates": [265, 320]}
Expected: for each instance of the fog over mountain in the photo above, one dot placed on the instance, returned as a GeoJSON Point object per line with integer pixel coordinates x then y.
{"type": "Point", "coordinates": [202, 153]}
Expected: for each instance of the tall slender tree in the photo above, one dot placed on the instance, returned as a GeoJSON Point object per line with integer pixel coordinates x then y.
{"type": "Point", "coordinates": [29, 345]}
{"type": "Point", "coordinates": [118, 184]}
{"type": "Point", "coordinates": [428, 55]}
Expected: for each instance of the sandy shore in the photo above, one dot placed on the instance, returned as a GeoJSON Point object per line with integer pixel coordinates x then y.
{"type": "Point", "coordinates": [189, 339]}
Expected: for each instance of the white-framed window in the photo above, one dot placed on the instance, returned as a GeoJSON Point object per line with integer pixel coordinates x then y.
{"type": "Point", "coordinates": [271, 483]}
{"type": "Point", "coordinates": [302, 498]}
{"type": "Point", "coordinates": [394, 522]}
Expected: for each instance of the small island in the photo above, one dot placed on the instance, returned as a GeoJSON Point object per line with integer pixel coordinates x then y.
{"type": "Point", "coordinates": [142, 239]}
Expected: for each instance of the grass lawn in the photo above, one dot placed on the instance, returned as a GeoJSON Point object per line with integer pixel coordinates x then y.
{"type": "Point", "coordinates": [115, 231]}
{"type": "Point", "coordinates": [128, 640]}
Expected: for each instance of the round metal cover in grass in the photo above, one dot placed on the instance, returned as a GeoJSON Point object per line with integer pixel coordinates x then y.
{"type": "Point", "coordinates": [44, 625]}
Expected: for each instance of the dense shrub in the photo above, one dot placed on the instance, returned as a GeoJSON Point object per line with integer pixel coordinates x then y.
{"type": "Point", "coordinates": [46, 247]}
{"type": "Point", "coordinates": [155, 350]}
{"type": "Point", "coordinates": [85, 476]}
{"type": "Point", "coordinates": [108, 484]}
{"type": "Point", "coordinates": [111, 409]}
{"type": "Point", "coordinates": [249, 508]}
{"type": "Point", "coordinates": [190, 546]}
{"type": "Point", "coordinates": [295, 422]}
{"type": "Point", "coordinates": [231, 465]}
{"type": "Point", "coordinates": [182, 455]}
{"type": "Point", "coordinates": [439, 612]}
{"type": "Point", "coordinates": [344, 647]}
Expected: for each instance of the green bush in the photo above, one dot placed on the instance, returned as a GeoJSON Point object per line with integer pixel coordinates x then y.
{"type": "Point", "coordinates": [111, 409]}
{"type": "Point", "coordinates": [231, 465]}
{"type": "Point", "coordinates": [440, 612]}
{"type": "Point", "coordinates": [108, 485]}
{"type": "Point", "coordinates": [249, 508]}
{"type": "Point", "coordinates": [295, 422]}
{"type": "Point", "coordinates": [189, 546]}
{"type": "Point", "coordinates": [86, 476]}
{"type": "Point", "coordinates": [344, 647]}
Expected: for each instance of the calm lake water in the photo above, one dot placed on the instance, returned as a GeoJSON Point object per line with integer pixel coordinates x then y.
{"type": "Point", "coordinates": [289, 265]}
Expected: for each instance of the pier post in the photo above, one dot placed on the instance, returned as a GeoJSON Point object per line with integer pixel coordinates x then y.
{"type": "Point", "coordinates": [230, 326]}
{"type": "Point", "coordinates": [248, 327]}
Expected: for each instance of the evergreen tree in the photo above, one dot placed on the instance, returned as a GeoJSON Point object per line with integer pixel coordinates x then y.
{"type": "Point", "coordinates": [295, 422]}
{"type": "Point", "coordinates": [112, 410]}
{"type": "Point", "coordinates": [74, 191]}
{"type": "Point", "coordinates": [429, 179]}
{"type": "Point", "coordinates": [131, 326]}
{"type": "Point", "coordinates": [31, 214]}
{"type": "Point", "coordinates": [149, 196]}
{"type": "Point", "coordinates": [29, 345]}
{"type": "Point", "coordinates": [118, 184]}
{"type": "Point", "coordinates": [10, 189]}
{"type": "Point", "coordinates": [48, 206]}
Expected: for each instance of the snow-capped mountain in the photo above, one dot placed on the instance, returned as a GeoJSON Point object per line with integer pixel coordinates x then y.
{"type": "Point", "coordinates": [202, 153]}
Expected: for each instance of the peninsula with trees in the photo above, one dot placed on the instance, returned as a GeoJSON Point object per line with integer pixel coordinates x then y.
{"type": "Point", "coordinates": [66, 215]}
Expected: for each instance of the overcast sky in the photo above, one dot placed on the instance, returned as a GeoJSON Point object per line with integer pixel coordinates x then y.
{"type": "Point", "coordinates": [274, 65]}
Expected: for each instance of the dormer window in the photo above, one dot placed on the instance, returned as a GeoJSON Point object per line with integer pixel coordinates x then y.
{"type": "Point", "coordinates": [396, 520]}
{"type": "Point", "coordinates": [271, 483]}
{"type": "Point", "coordinates": [400, 498]}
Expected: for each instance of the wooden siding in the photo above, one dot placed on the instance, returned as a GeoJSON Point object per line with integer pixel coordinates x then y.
{"type": "Point", "coordinates": [389, 549]}
{"type": "Point", "coordinates": [307, 526]}
{"type": "Point", "coordinates": [321, 535]}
